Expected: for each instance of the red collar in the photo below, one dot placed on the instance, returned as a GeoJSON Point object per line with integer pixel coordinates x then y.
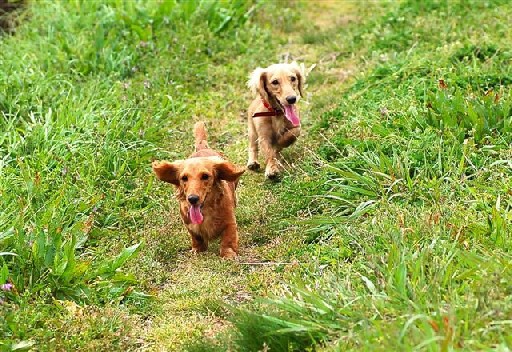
{"type": "Point", "coordinates": [271, 111]}
{"type": "Point", "coordinates": [266, 104]}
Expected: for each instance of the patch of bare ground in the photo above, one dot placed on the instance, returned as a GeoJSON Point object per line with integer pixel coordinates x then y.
{"type": "Point", "coordinates": [8, 14]}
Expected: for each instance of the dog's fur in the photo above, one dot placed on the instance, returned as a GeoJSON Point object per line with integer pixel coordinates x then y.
{"type": "Point", "coordinates": [274, 85]}
{"type": "Point", "coordinates": [211, 180]}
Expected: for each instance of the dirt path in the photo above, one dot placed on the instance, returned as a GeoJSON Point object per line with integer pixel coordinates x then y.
{"type": "Point", "coordinates": [188, 301]}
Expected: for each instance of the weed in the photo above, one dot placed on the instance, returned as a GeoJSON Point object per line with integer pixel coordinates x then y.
{"type": "Point", "coordinates": [477, 115]}
{"type": "Point", "coordinates": [404, 227]}
{"type": "Point", "coordinates": [83, 106]}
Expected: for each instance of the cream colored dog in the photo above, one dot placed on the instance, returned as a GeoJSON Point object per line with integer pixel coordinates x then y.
{"type": "Point", "coordinates": [274, 122]}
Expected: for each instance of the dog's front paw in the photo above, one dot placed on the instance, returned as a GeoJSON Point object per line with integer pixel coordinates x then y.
{"type": "Point", "coordinates": [272, 172]}
{"type": "Point", "coordinates": [227, 253]}
{"type": "Point", "coordinates": [272, 175]}
{"type": "Point", "coordinates": [254, 166]}
{"type": "Point", "coordinates": [197, 250]}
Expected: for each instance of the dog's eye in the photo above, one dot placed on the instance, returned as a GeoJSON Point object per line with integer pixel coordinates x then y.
{"type": "Point", "coordinates": [204, 177]}
{"type": "Point", "coordinates": [275, 82]}
{"type": "Point", "coordinates": [184, 178]}
{"type": "Point", "coordinates": [293, 78]}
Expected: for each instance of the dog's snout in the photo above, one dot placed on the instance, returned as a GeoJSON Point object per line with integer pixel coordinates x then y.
{"type": "Point", "coordinates": [291, 99]}
{"type": "Point", "coordinates": [193, 199]}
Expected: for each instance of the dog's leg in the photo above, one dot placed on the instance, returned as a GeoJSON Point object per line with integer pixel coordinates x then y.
{"type": "Point", "coordinates": [252, 163]}
{"type": "Point", "coordinates": [229, 242]}
{"type": "Point", "coordinates": [267, 147]}
{"type": "Point", "coordinates": [287, 138]}
{"type": "Point", "coordinates": [199, 244]}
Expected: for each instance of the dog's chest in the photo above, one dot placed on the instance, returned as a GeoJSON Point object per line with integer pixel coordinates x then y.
{"type": "Point", "coordinates": [210, 228]}
{"type": "Point", "coordinates": [218, 212]}
{"type": "Point", "coordinates": [280, 125]}
{"type": "Point", "coordinates": [215, 218]}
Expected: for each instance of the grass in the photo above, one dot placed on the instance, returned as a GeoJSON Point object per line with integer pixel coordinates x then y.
{"type": "Point", "coordinates": [406, 234]}
{"type": "Point", "coordinates": [84, 113]}
{"type": "Point", "coordinates": [389, 231]}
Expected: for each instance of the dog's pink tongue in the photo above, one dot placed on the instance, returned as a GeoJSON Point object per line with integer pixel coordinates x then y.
{"type": "Point", "coordinates": [195, 214]}
{"type": "Point", "coordinates": [289, 112]}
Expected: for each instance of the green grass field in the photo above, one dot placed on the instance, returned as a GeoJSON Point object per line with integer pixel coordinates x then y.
{"type": "Point", "coordinates": [390, 229]}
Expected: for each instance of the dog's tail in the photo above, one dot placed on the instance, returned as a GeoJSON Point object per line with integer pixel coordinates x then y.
{"type": "Point", "coordinates": [200, 136]}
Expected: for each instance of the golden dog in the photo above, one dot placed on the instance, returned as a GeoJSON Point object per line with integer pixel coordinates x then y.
{"type": "Point", "coordinates": [205, 184]}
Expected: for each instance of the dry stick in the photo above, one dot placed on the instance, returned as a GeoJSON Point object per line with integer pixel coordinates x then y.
{"type": "Point", "coordinates": [269, 263]}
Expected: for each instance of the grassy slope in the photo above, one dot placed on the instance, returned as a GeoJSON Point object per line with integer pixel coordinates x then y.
{"type": "Point", "coordinates": [199, 288]}
{"type": "Point", "coordinates": [407, 211]}
{"type": "Point", "coordinates": [100, 92]}
{"type": "Point", "coordinates": [92, 108]}
{"type": "Point", "coordinates": [394, 246]}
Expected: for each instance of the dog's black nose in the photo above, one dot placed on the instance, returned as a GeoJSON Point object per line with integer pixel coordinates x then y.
{"type": "Point", "coordinates": [291, 99]}
{"type": "Point", "coordinates": [193, 199]}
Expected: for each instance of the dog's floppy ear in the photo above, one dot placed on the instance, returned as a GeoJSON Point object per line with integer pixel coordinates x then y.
{"type": "Point", "coordinates": [227, 171]}
{"type": "Point", "coordinates": [257, 83]}
{"type": "Point", "coordinates": [166, 171]}
{"type": "Point", "coordinates": [299, 71]}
